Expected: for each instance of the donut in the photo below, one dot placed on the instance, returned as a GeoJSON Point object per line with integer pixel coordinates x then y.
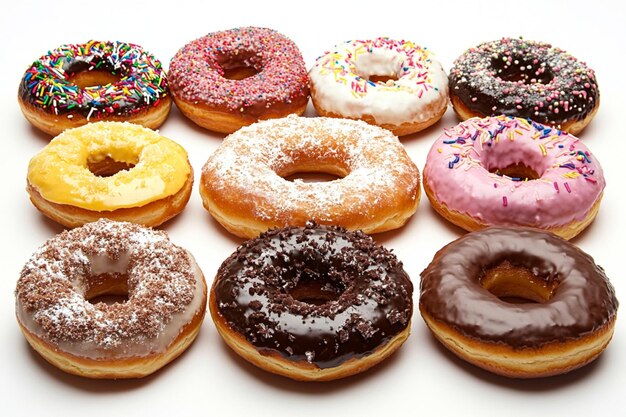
{"type": "Point", "coordinates": [96, 81]}
{"type": "Point", "coordinates": [114, 170]}
{"type": "Point", "coordinates": [527, 79]}
{"type": "Point", "coordinates": [312, 303]}
{"type": "Point", "coordinates": [518, 302]}
{"type": "Point", "coordinates": [397, 85]}
{"type": "Point", "coordinates": [63, 320]}
{"type": "Point", "coordinates": [507, 171]}
{"type": "Point", "coordinates": [244, 186]}
{"type": "Point", "coordinates": [233, 78]}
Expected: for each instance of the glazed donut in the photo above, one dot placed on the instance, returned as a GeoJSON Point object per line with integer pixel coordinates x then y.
{"type": "Point", "coordinates": [97, 81]}
{"type": "Point", "coordinates": [60, 318]}
{"type": "Point", "coordinates": [295, 303]}
{"type": "Point", "coordinates": [518, 302]}
{"type": "Point", "coordinates": [393, 84]}
{"type": "Point", "coordinates": [244, 188]}
{"type": "Point", "coordinates": [506, 171]}
{"type": "Point", "coordinates": [233, 78]}
{"type": "Point", "coordinates": [526, 79]}
{"type": "Point", "coordinates": [119, 171]}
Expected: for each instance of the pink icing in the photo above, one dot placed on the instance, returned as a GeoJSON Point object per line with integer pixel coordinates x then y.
{"type": "Point", "coordinates": [458, 173]}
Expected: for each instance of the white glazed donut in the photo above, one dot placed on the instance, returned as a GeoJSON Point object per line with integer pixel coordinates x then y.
{"type": "Point", "coordinates": [412, 95]}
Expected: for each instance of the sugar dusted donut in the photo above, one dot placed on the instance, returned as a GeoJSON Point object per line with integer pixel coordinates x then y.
{"type": "Point", "coordinates": [233, 78]}
{"type": "Point", "coordinates": [526, 79]}
{"type": "Point", "coordinates": [510, 172]}
{"type": "Point", "coordinates": [518, 302]}
{"type": "Point", "coordinates": [119, 171]}
{"type": "Point", "coordinates": [161, 318]}
{"type": "Point", "coordinates": [95, 81]}
{"type": "Point", "coordinates": [397, 85]}
{"type": "Point", "coordinates": [294, 302]}
{"type": "Point", "coordinates": [243, 183]}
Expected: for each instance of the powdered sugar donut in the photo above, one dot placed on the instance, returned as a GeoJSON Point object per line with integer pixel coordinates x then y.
{"type": "Point", "coordinates": [233, 78]}
{"type": "Point", "coordinates": [243, 183]}
{"type": "Point", "coordinates": [397, 85]}
{"type": "Point", "coordinates": [161, 318]}
{"type": "Point", "coordinates": [507, 171]}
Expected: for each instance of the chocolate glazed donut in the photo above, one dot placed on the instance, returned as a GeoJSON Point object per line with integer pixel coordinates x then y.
{"type": "Point", "coordinates": [518, 302]}
{"type": "Point", "coordinates": [312, 303]}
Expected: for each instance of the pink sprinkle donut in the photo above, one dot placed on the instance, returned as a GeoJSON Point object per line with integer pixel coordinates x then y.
{"type": "Point", "coordinates": [233, 78]}
{"type": "Point", "coordinates": [508, 171]}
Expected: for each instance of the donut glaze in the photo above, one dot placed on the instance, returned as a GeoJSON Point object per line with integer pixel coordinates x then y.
{"type": "Point", "coordinates": [279, 87]}
{"type": "Point", "coordinates": [165, 288]}
{"type": "Point", "coordinates": [526, 79]}
{"type": "Point", "coordinates": [466, 173]}
{"type": "Point", "coordinates": [47, 85]}
{"type": "Point", "coordinates": [581, 300]}
{"type": "Point", "coordinates": [317, 295]}
{"type": "Point", "coordinates": [415, 96]}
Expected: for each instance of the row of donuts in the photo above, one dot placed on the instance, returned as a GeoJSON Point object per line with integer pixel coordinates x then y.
{"type": "Point", "coordinates": [229, 79]}
{"type": "Point", "coordinates": [494, 171]}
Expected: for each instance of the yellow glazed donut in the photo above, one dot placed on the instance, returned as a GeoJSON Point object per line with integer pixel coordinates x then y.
{"type": "Point", "coordinates": [119, 171]}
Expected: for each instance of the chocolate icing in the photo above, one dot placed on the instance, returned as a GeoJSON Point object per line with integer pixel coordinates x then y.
{"type": "Point", "coordinates": [524, 79]}
{"type": "Point", "coordinates": [317, 293]}
{"type": "Point", "coordinates": [583, 300]}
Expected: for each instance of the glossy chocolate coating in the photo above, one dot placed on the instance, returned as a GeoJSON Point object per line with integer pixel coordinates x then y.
{"type": "Point", "coordinates": [583, 300]}
{"type": "Point", "coordinates": [526, 79]}
{"type": "Point", "coordinates": [317, 293]}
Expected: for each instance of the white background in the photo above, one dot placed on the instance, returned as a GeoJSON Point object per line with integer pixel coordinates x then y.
{"type": "Point", "coordinates": [422, 378]}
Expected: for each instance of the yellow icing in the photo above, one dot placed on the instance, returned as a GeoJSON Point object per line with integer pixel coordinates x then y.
{"type": "Point", "coordinates": [60, 172]}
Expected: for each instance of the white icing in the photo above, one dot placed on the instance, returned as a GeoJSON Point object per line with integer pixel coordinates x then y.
{"type": "Point", "coordinates": [339, 81]}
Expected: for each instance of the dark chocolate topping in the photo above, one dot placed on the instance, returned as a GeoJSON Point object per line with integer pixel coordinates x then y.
{"type": "Point", "coordinates": [583, 300]}
{"type": "Point", "coordinates": [317, 293]}
{"type": "Point", "coordinates": [526, 79]}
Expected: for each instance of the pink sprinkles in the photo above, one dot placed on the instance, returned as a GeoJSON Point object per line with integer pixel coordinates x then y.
{"type": "Point", "coordinates": [197, 74]}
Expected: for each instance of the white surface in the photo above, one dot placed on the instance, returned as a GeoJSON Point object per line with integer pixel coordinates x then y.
{"type": "Point", "coordinates": [422, 379]}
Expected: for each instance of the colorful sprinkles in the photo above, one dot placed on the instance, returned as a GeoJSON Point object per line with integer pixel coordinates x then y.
{"type": "Point", "coordinates": [526, 79]}
{"type": "Point", "coordinates": [197, 70]}
{"type": "Point", "coordinates": [48, 85]}
{"type": "Point", "coordinates": [415, 64]}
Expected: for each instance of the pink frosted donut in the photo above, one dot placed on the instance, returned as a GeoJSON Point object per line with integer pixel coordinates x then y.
{"type": "Point", "coordinates": [233, 78]}
{"type": "Point", "coordinates": [508, 171]}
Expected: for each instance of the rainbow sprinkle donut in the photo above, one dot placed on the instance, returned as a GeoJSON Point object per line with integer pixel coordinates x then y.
{"type": "Point", "coordinates": [507, 171]}
{"type": "Point", "coordinates": [76, 84]}
{"type": "Point", "coordinates": [393, 84]}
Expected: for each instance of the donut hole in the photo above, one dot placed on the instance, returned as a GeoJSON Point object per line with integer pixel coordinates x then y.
{"type": "Point", "coordinates": [93, 78]}
{"type": "Point", "coordinates": [316, 291]}
{"type": "Point", "coordinates": [107, 166]}
{"type": "Point", "coordinates": [518, 172]}
{"type": "Point", "coordinates": [517, 69]}
{"type": "Point", "coordinates": [312, 177]}
{"type": "Point", "coordinates": [107, 288]}
{"type": "Point", "coordinates": [377, 67]}
{"type": "Point", "coordinates": [238, 66]}
{"type": "Point", "coordinates": [516, 285]}
{"type": "Point", "coordinates": [311, 170]}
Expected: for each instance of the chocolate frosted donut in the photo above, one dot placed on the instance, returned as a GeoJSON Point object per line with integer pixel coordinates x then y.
{"type": "Point", "coordinates": [520, 78]}
{"type": "Point", "coordinates": [313, 302]}
{"type": "Point", "coordinates": [518, 302]}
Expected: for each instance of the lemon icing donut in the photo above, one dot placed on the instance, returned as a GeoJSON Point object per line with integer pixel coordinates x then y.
{"type": "Point", "coordinates": [397, 85]}
{"type": "Point", "coordinates": [165, 308]}
{"type": "Point", "coordinates": [244, 188]}
{"type": "Point", "coordinates": [76, 84]}
{"type": "Point", "coordinates": [508, 171]}
{"type": "Point", "coordinates": [119, 171]}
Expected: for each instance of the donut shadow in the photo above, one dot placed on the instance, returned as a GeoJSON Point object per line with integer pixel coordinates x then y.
{"type": "Point", "coordinates": [312, 387]}
{"type": "Point", "coordinates": [40, 135]}
{"type": "Point", "coordinates": [543, 384]}
{"type": "Point", "coordinates": [49, 224]}
{"type": "Point", "coordinates": [220, 230]}
{"type": "Point", "coordinates": [176, 114]}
